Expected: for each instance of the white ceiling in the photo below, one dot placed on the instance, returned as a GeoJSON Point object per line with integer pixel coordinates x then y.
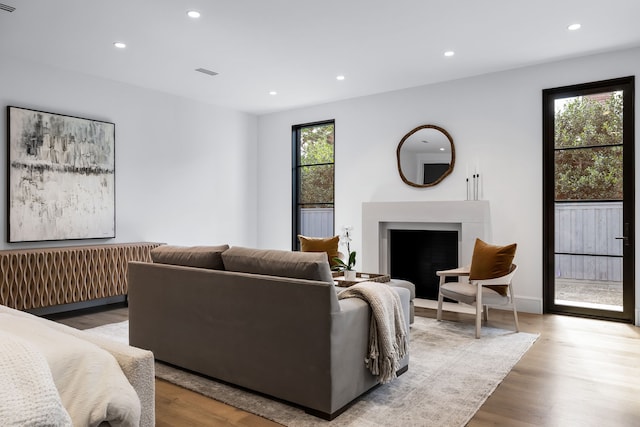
{"type": "Point", "coordinates": [298, 47]}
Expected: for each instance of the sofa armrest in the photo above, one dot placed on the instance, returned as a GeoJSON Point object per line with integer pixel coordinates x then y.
{"type": "Point", "coordinates": [349, 346]}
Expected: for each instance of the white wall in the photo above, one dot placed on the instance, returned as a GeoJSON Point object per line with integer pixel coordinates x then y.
{"type": "Point", "coordinates": [185, 171]}
{"type": "Point", "coordinates": [495, 121]}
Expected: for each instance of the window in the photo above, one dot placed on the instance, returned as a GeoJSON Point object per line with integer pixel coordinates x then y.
{"type": "Point", "coordinates": [313, 180]}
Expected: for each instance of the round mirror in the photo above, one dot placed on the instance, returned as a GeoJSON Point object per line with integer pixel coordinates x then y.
{"type": "Point", "coordinates": [426, 155]}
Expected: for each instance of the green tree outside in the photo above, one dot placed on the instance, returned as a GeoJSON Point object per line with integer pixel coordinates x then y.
{"type": "Point", "coordinates": [317, 165]}
{"type": "Point", "coordinates": [588, 142]}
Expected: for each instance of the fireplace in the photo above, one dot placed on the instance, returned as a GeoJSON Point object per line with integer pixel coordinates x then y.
{"type": "Point", "coordinates": [467, 220]}
{"type": "Point", "coordinates": [416, 256]}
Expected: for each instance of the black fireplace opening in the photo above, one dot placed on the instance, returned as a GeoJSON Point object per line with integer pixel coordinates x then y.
{"type": "Point", "coordinates": [416, 255]}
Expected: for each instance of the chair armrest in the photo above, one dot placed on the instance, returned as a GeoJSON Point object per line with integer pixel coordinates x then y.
{"type": "Point", "coordinates": [454, 272]}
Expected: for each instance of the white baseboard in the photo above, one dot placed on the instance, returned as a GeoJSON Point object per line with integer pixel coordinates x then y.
{"type": "Point", "coordinates": [529, 305]}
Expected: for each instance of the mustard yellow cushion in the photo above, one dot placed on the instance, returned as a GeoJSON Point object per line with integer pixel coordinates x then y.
{"type": "Point", "coordinates": [321, 244]}
{"type": "Point", "coordinates": [491, 261]}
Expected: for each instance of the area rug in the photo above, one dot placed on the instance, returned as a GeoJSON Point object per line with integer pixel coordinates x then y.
{"type": "Point", "coordinates": [450, 376]}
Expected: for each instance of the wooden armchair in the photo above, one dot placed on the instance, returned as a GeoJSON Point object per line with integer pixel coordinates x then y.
{"type": "Point", "coordinates": [481, 293]}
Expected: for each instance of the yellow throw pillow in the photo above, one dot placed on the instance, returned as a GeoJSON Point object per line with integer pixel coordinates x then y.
{"type": "Point", "coordinates": [491, 261]}
{"type": "Point", "coordinates": [321, 244]}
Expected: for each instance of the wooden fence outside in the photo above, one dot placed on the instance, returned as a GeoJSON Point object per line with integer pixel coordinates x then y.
{"type": "Point", "coordinates": [588, 229]}
{"type": "Point", "coordinates": [316, 222]}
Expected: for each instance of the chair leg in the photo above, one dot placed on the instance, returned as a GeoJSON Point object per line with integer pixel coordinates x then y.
{"type": "Point", "coordinates": [485, 311]}
{"type": "Point", "coordinates": [478, 310]}
{"type": "Point", "coordinates": [440, 298]}
{"type": "Point", "coordinates": [515, 312]}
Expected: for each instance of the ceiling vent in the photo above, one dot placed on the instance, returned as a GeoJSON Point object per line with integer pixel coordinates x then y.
{"type": "Point", "coordinates": [205, 71]}
{"type": "Point", "coordinates": [7, 8]}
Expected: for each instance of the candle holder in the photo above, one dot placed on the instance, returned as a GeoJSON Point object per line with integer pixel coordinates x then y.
{"type": "Point", "coordinates": [473, 187]}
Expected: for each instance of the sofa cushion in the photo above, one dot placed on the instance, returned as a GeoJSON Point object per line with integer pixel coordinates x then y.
{"type": "Point", "coordinates": [329, 245]}
{"type": "Point", "coordinates": [271, 262]}
{"type": "Point", "coordinates": [190, 256]}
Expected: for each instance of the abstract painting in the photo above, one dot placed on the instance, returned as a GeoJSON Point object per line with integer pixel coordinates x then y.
{"type": "Point", "coordinates": [61, 177]}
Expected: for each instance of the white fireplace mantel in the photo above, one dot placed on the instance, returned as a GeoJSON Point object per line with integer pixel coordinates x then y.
{"type": "Point", "coordinates": [471, 218]}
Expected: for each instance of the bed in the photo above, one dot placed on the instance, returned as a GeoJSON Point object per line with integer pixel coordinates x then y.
{"type": "Point", "coordinates": [51, 374]}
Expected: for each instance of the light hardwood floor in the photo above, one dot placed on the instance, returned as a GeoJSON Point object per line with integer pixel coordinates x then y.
{"type": "Point", "coordinates": [580, 372]}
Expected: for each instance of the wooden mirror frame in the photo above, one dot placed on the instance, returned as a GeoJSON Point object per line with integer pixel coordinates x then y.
{"type": "Point", "coordinates": [444, 175]}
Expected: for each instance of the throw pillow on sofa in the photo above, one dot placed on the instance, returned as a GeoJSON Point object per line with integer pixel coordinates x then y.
{"type": "Point", "coordinates": [271, 262]}
{"type": "Point", "coordinates": [329, 245]}
{"type": "Point", "coordinates": [190, 256]}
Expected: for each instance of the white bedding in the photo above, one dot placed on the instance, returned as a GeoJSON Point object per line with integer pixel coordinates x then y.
{"type": "Point", "coordinates": [28, 396]}
{"type": "Point", "coordinates": [90, 383]}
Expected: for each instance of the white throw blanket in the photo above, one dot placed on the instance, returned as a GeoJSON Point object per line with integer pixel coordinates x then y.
{"type": "Point", "coordinates": [28, 396]}
{"type": "Point", "coordinates": [90, 383]}
{"type": "Point", "coordinates": [388, 340]}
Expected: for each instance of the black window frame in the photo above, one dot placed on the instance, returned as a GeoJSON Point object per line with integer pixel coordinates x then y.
{"type": "Point", "coordinates": [295, 162]}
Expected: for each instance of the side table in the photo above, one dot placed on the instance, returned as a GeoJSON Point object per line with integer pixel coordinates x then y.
{"type": "Point", "coordinates": [339, 280]}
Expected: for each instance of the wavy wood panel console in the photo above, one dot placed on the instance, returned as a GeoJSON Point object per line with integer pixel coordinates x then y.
{"type": "Point", "coordinates": [44, 277]}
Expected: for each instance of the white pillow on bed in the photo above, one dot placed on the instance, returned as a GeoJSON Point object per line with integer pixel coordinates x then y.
{"type": "Point", "coordinates": [28, 395]}
{"type": "Point", "coordinates": [91, 384]}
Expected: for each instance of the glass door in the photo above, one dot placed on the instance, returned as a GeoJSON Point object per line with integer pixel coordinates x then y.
{"type": "Point", "coordinates": [589, 199]}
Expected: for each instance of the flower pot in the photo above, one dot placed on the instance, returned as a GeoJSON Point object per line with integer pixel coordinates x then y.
{"type": "Point", "coordinates": [350, 275]}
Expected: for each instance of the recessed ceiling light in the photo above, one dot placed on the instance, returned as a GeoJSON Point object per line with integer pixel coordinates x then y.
{"type": "Point", "coordinates": [441, 149]}
{"type": "Point", "coordinates": [273, 92]}
{"type": "Point", "coordinates": [119, 45]}
{"type": "Point", "coordinates": [340, 77]}
{"type": "Point", "coordinates": [574, 27]}
{"type": "Point", "coordinates": [449, 53]}
{"type": "Point", "coordinates": [193, 14]}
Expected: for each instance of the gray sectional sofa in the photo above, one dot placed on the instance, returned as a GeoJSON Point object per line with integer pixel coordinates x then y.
{"type": "Point", "coordinates": [266, 320]}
